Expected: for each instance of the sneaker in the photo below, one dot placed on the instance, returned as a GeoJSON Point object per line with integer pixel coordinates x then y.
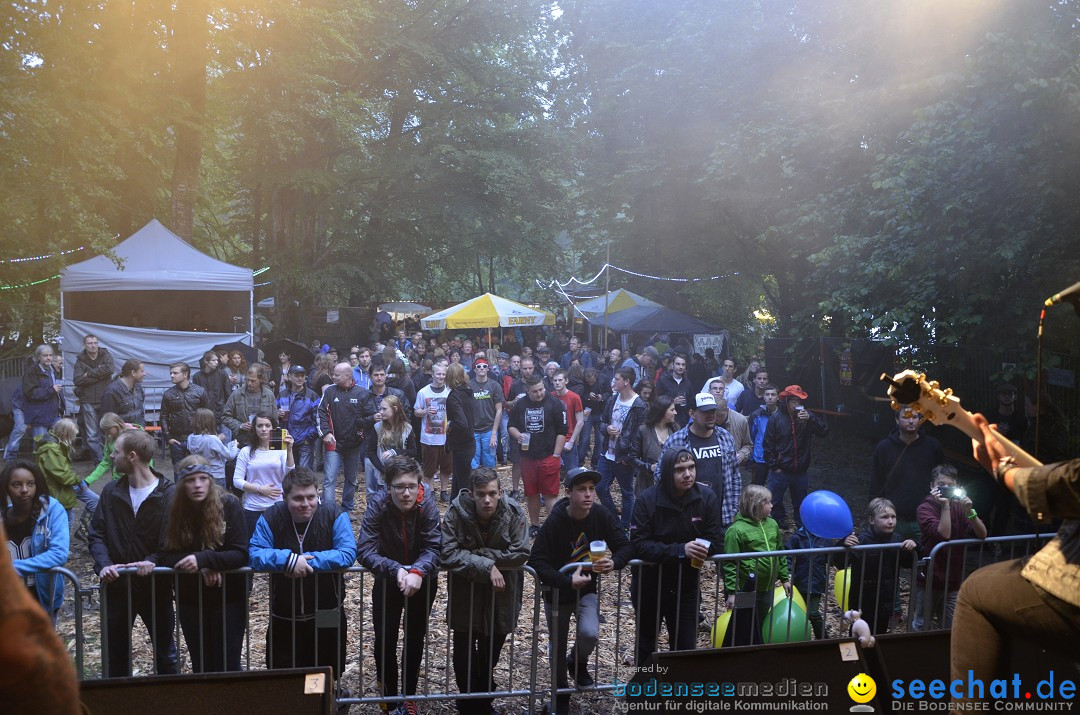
{"type": "Point", "coordinates": [444, 496]}
{"type": "Point", "coordinates": [533, 531]}
{"type": "Point", "coordinates": [409, 708]}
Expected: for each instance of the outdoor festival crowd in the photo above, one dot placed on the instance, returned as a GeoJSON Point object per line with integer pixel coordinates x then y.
{"type": "Point", "coordinates": [702, 457]}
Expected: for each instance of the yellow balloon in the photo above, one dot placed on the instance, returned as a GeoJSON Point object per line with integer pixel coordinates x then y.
{"type": "Point", "coordinates": [779, 595]}
{"type": "Point", "coordinates": [716, 638]}
{"type": "Point", "coordinates": [842, 588]}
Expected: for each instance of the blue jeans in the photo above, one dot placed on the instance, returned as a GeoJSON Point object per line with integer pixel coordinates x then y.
{"type": "Point", "coordinates": [17, 432]}
{"type": "Point", "coordinates": [372, 478]}
{"type": "Point", "coordinates": [178, 451]}
{"type": "Point", "coordinates": [91, 431]}
{"type": "Point", "coordinates": [624, 473]}
{"type": "Point", "coordinates": [570, 458]}
{"type": "Point", "coordinates": [305, 453]}
{"type": "Point", "coordinates": [88, 497]}
{"type": "Point", "coordinates": [332, 462]}
{"type": "Point", "coordinates": [778, 483]}
{"type": "Point", "coordinates": [504, 436]}
{"type": "Point", "coordinates": [591, 431]}
{"type": "Point", "coordinates": [485, 455]}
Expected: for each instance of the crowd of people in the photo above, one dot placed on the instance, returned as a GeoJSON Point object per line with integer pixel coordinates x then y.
{"type": "Point", "coordinates": [428, 421]}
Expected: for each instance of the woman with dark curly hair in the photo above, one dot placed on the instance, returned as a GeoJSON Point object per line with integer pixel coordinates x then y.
{"type": "Point", "coordinates": [37, 531]}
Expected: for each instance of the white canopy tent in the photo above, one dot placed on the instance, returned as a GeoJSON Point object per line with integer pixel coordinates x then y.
{"type": "Point", "coordinates": [166, 302]}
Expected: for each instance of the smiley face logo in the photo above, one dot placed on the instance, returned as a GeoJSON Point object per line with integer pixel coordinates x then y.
{"type": "Point", "coordinates": [862, 688]}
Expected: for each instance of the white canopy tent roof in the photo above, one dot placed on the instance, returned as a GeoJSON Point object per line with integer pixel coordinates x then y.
{"type": "Point", "coordinates": [155, 258]}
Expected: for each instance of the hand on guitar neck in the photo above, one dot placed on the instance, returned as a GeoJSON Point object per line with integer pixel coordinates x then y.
{"type": "Point", "coordinates": [941, 407]}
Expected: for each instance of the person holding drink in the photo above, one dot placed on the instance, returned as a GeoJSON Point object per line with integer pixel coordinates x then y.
{"type": "Point", "coordinates": [260, 470]}
{"type": "Point", "coordinates": [297, 410]}
{"type": "Point", "coordinates": [538, 423]}
{"type": "Point", "coordinates": [676, 525]}
{"type": "Point", "coordinates": [566, 538]}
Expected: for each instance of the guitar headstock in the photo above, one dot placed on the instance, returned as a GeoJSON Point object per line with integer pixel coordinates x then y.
{"type": "Point", "coordinates": [911, 389]}
{"type": "Point", "coordinates": [941, 407]}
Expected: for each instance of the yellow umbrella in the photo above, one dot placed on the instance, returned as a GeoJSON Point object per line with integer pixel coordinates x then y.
{"type": "Point", "coordinates": [487, 311]}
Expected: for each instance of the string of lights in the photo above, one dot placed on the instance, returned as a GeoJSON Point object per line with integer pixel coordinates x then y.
{"type": "Point", "coordinates": [573, 279]}
{"type": "Point", "coordinates": [31, 283]}
{"type": "Point", "coordinates": [259, 285]}
{"type": "Point", "coordinates": [42, 257]}
{"type": "Point", "coordinates": [259, 272]}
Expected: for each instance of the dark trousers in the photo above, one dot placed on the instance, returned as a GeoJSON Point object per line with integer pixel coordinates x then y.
{"type": "Point", "coordinates": [656, 595]}
{"type": "Point", "coordinates": [178, 451]}
{"type": "Point", "coordinates": [300, 643]}
{"type": "Point", "coordinates": [780, 482]}
{"type": "Point", "coordinates": [475, 657]}
{"type": "Point", "coordinates": [150, 598]}
{"type": "Point", "coordinates": [998, 606]}
{"type": "Point", "coordinates": [761, 473]}
{"type": "Point", "coordinates": [214, 633]}
{"type": "Point", "coordinates": [461, 467]}
{"type": "Point", "coordinates": [388, 603]}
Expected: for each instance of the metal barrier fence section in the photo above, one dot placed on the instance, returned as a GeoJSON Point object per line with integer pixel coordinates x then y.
{"type": "Point", "coordinates": [390, 648]}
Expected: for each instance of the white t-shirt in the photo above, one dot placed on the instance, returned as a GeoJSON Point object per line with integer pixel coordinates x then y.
{"type": "Point", "coordinates": [268, 466]}
{"type": "Point", "coordinates": [138, 496]}
{"type": "Point", "coordinates": [732, 392]}
{"type": "Point", "coordinates": [433, 429]}
{"type": "Point", "coordinates": [618, 416]}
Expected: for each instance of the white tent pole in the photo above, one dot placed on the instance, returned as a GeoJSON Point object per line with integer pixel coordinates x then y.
{"type": "Point", "coordinates": [251, 312]}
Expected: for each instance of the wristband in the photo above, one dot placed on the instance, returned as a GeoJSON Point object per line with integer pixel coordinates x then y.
{"type": "Point", "coordinates": [973, 515]}
{"type": "Point", "coordinates": [418, 572]}
{"type": "Point", "coordinates": [1003, 465]}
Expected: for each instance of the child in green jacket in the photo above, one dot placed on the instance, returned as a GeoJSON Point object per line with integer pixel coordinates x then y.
{"type": "Point", "coordinates": [754, 530]}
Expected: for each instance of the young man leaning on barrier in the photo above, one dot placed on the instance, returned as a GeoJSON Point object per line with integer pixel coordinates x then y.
{"type": "Point", "coordinates": [485, 542]}
{"type": "Point", "coordinates": [400, 542]}
{"type": "Point", "coordinates": [565, 538]}
{"type": "Point", "coordinates": [299, 540]}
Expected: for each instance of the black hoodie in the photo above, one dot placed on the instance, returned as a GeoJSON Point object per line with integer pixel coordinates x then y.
{"type": "Point", "coordinates": [564, 540]}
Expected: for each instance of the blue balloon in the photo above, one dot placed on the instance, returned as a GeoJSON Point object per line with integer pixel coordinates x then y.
{"type": "Point", "coordinates": [826, 515]}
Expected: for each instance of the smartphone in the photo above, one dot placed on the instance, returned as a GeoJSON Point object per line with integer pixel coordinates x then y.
{"type": "Point", "coordinates": [277, 439]}
{"type": "Point", "coordinates": [953, 492]}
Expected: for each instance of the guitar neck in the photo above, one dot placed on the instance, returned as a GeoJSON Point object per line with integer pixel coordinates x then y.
{"type": "Point", "coordinates": [962, 420]}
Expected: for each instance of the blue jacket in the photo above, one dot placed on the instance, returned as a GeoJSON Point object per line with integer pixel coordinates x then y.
{"type": "Point", "coordinates": [303, 409]}
{"type": "Point", "coordinates": [759, 419]}
{"type": "Point", "coordinates": [41, 404]}
{"type": "Point", "coordinates": [275, 547]}
{"type": "Point", "coordinates": [49, 543]}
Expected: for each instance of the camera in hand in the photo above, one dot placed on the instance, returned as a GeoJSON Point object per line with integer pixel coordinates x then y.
{"type": "Point", "coordinates": [277, 439]}
{"type": "Point", "coordinates": [953, 492]}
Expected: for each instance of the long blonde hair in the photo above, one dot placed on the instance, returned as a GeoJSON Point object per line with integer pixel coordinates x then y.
{"type": "Point", "coordinates": [65, 431]}
{"type": "Point", "coordinates": [191, 525]}
{"type": "Point", "coordinates": [392, 431]}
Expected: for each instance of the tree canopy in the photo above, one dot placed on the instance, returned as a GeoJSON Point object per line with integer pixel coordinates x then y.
{"type": "Point", "coordinates": [897, 170]}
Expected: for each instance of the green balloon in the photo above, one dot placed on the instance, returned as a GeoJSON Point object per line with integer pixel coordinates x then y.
{"type": "Point", "coordinates": [785, 623]}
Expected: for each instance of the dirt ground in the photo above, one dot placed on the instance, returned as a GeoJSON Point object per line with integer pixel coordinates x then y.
{"type": "Point", "coordinates": [841, 464]}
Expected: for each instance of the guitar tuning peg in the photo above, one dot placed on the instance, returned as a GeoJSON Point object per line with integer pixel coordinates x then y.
{"type": "Point", "coordinates": [895, 405]}
{"type": "Point", "coordinates": [934, 384]}
{"type": "Point", "coordinates": [948, 392]}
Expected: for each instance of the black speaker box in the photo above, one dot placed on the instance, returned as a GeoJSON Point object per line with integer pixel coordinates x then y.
{"type": "Point", "coordinates": [295, 691]}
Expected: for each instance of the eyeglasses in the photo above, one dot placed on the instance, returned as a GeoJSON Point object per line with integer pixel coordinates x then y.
{"type": "Point", "coordinates": [402, 488]}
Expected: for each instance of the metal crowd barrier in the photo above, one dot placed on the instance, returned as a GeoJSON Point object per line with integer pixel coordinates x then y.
{"type": "Point", "coordinates": [519, 673]}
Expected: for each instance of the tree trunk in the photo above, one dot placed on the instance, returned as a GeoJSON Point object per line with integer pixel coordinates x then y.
{"type": "Point", "coordinates": [189, 57]}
